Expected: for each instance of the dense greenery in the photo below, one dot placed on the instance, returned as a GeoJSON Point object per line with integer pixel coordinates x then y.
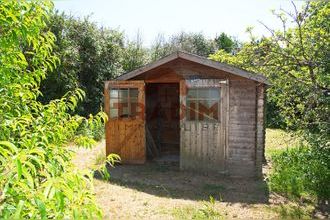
{"type": "Point", "coordinates": [195, 43]}
{"type": "Point", "coordinates": [296, 61]}
{"type": "Point", "coordinates": [302, 172]}
{"type": "Point", "coordinates": [37, 178]}
{"type": "Point", "coordinates": [49, 61]}
{"type": "Point", "coordinates": [88, 55]}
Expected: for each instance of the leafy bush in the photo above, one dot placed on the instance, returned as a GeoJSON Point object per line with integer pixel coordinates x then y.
{"type": "Point", "coordinates": [296, 62]}
{"type": "Point", "coordinates": [37, 178]}
{"type": "Point", "coordinates": [89, 55]}
{"type": "Point", "coordinates": [301, 173]}
{"type": "Point", "coordinates": [91, 129]}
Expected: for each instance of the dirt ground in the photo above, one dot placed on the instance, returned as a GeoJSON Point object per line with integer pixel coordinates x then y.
{"type": "Point", "coordinates": [155, 191]}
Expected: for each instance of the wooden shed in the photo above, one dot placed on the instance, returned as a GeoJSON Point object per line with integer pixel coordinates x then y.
{"type": "Point", "coordinates": [208, 114]}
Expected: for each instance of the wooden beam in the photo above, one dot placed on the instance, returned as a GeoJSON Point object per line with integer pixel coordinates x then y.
{"type": "Point", "coordinates": [196, 59]}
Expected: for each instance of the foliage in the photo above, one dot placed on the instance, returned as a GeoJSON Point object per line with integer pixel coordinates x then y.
{"type": "Point", "coordinates": [195, 43]}
{"type": "Point", "coordinates": [301, 172]}
{"type": "Point", "coordinates": [278, 140]}
{"type": "Point", "coordinates": [296, 61]}
{"type": "Point", "coordinates": [134, 54]}
{"type": "Point", "coordinates": [293, 210]}
{"type": "Point", "coordinates": [92, 130]}
{"type": "Point", "coordinates": [37, 178]}
{"type": "Point", "coordinates": [226, 43]}
{"type": "Point", "coordinates": [102, 159]}
{"type": "Point", "coordinates": [89, 55]}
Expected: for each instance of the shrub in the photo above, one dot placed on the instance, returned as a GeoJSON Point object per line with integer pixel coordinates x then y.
{"type": "Point", "coordinates": [90, 129]}
{"type": "Point", "coordinates": [302, 173]}
{"type": "Point", "coordinates": [37, 178]}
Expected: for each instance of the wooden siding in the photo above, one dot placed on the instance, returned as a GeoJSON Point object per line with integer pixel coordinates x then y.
{"type": "Point", "coordinates": [260, 129]}
{"type": "Point", "coordinates": [242, 128]}
{"type": "Point", "coordinates": [126, 136]}
{"type": "Point", "coordinates": [203, 144]}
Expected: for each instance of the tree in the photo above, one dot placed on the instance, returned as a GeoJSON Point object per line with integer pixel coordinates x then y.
{"type": "Point", "coordinates": [194, 43]}
{"type": "Point", "coordinates": [37, 178]}
{"type": "Point", "coordinates": [226, 43]}
{"type": "Point", "coordinates": [296, 61]}
{"type": "Point", "coordinates": [89, 55]}
{"type": "Point", "coordinates": [134, 54]}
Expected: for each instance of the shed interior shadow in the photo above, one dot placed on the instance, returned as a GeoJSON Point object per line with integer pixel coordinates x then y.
{"type": "Point", "coordinates": [162, 119]}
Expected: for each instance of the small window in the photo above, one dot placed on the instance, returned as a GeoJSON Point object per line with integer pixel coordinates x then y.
{"type": "Point", "coordinates": [123, 102]}
{"type": "Point", "coordinates": [203, 104]}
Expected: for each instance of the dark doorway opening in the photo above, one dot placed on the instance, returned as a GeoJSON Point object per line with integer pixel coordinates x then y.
{"type": "Point", "coordinates": [163, 120]}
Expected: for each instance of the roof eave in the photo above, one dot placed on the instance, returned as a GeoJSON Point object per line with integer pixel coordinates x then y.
{"type": "Point", "coordinates": [197, 59]}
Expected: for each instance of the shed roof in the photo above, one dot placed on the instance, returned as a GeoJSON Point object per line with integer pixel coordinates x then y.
{"type": "Point", "coordinates": [196, 59]}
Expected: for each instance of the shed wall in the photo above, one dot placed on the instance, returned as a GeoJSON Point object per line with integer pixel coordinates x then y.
{"type": "Point", "coordinates": [245, 130]}
{"type": "Point", "coordinates": [242, 128]}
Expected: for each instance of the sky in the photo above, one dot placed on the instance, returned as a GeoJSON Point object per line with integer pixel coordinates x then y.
{"type": "Point", "coordinates": [151, 17]}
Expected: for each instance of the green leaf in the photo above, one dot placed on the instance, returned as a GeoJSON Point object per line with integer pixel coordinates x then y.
{"type": "Point", "coordinates": [19, 209]}
{"type": "Point", "coordinates": [42, 209]}
{"type": "Point", "coordinates": [19, 168]}
{"type": "Point", "coordinates": [9, 145]}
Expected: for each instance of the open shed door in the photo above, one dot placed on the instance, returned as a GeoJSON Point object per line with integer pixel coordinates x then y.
{"type": "Point", "coordinates": [125, 129]}
{"type": "Point", "coordinates": [204, 116]}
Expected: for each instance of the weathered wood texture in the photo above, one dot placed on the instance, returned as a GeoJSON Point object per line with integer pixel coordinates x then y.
{"type": "Point", "coordinates": [260, 128]}
{"type": "Point", "coordinates": [203, 143]}
{"type": "Point", "coordinates": [235, 144]}
{"type": "Point", "coordinates": [202, 61]}
{"type": "Point", "coordinates": [242, 128]}
{"type": "Point", "coordinates": [126, 136]}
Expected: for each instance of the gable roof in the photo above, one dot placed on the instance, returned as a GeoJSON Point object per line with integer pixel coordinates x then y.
{"type": "Point", "coordinates": [196, 59]}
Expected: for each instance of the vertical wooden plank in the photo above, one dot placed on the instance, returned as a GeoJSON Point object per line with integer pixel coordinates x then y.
{"type": "Point", "coordinates": [207, 139]}
{"type": "Point", "coordinates": [126, 136]}
{"type": "Point", "coordinates": [205, 146]}
{"type": "Point", "coordinates": [198, 141]}
{"type": "Point", "coordinates": [190, 144]}
{"type": "Point", "coordinates": [209, 157]}
{"type": "Point", "coordinates": [260, 128]}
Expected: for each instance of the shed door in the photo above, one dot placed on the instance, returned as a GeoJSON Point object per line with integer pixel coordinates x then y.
{"type": "Point", "coordinates": [203, 124]}
{"type": "Point", "coordinates": [125, 129]}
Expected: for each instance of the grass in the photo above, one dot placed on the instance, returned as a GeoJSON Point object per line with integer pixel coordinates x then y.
{"type": "Point", "coordinates": [206, 211]}
{"type": "Point", "coordinates": [277, 140]}
{"type": "Point", "coordinates": [293, 210]}
{"type": "Point", "coordinates": [100, 158]}
{"type": "Point", "coordinates": [162, 192]}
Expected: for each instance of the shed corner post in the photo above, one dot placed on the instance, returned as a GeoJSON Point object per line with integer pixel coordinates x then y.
{"type": "Point", "coordinates": [260, 128]}
{"type": "Point", "coordinates": [225, 120]}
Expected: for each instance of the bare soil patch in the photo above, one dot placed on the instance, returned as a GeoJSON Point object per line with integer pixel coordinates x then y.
{"type": "Point", "coordinates": [154, 191]}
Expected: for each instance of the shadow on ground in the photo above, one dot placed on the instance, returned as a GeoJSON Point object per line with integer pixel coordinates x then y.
{"type": "Point", "coordinates": [169, 181]}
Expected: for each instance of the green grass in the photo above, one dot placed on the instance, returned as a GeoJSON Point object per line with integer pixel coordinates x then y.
{"type": "Point", "coordinates": [206, 211]}
{"type": "Point", "coordinates": [294, 211]}
{"type": "Point", "coordinates": [100, 158]}
{"type": "Point", "coordinates": [277, 140]}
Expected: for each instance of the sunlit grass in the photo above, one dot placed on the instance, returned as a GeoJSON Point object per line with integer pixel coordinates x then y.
{"type": "Point", "coordinates": [278, 139]}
